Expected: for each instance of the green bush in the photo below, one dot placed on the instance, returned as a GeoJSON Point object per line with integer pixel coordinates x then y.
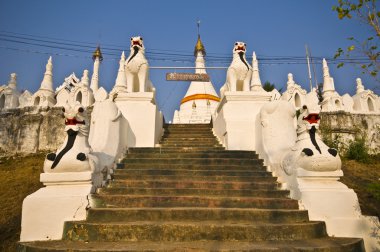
{"type": "Point", "coordinates": [358, 151]}
{"type": "Point", "coordinates": [374, 188]}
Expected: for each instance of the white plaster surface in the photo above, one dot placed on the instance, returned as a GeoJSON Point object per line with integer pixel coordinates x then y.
{"type": "Point", "coordinates": [45, 211]}
{"type": "Point", "coordinates": [9, 95]}
{"type": "Point", "coordinates": [236, 118]}
{"type": "Point", "coordinates": [143, 117]}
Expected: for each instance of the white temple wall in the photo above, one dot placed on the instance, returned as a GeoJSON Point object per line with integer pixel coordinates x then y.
{"type": "Point", "coordinates": [344, 127]}
{"type": "Point", "coordinates": [2, 101]}
{"type": "Point", "coordinates": [31, 129]}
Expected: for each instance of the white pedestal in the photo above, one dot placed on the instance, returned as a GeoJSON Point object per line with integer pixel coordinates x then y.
{"type": "Point", "coordinates": [143, 117]}
{"type": "Point", "coordinates": [236, 119]}
{"type": "Point", "coordinates": [64, 198]}
{"type": "Point", "coordinates": [329, 200]}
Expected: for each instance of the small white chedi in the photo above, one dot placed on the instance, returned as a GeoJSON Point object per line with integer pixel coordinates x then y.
{"type": "Point", "coordinates": [364, 101]}
{"type": "Point", "coordinates": [121, 79]}
{"type": "Point", "coordinates": [44, 97]}
{"type": "Point", "coordinates": [294, 93]}
{"type": "Point", "coordinates": [332, 101]}
{"type": "Point", "coordinates": [239, 73]}
{"type": "Point", "coordinates": [9, 96]}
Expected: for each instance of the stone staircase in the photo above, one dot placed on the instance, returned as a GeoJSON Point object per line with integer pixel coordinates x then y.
{"type": "Point", "coordinates": [191, 194]}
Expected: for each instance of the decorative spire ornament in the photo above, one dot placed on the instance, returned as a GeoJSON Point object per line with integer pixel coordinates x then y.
{"type": "Point", "coordinates": [359, 86]}
{"type": "Point", "coordinates": [199, 47]}
{"type": "Point", "coordinates": [255, 81]}
{"type": "Point", "coordinates": [328, 81]}
{"type": "Point", "coordinates": [290, 80]}
{"type": "Point", "coordinates": [47, 82]}
{"type": "Point", "coordinates": [121, 79]}
{"type": "Point", "coordinates": [97, 57]}
{"type": "Point", "coordinates": [85, 80]}
{"type": "Point", "coordinates": [13, 81]}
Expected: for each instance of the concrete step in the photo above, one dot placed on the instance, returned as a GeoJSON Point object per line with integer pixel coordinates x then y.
{"type": "Point", "coordinates": [194, 161]}
{"type": "Point", "coordinates": [209, 138]}
{"type": "Point", "coordinates": [128, 201]}
{"type": "Point", "coordinates": [193, 192]}
{"type": "Point", "coordinates": [189, 132]}
{"type": "Point", "coordinates": [196, 178]}
{"type": "Point", "coordinates": [215, 185]}
{"type": "Point", "coordinates": [185, 172]}
{"type": "Point", "coordinates": [188, 126]}
{"type": "Point", "coordinates": [249, 155]}
{"type": "Point", "coordinates": [108, 215]}
{"type": "Point", "coordinates": [192, 231]}
{"type": "Point", "coordinates": [188, 141]}
{"type": "Point", "coordinates": [185, 135]}
{"type": "Point", "coordinates": [228, 167]}
{"type": "Point", "coordinates": [176, 150]}
{"type": "Point", "coordinates": [181, 145]}
{"type": "Point", "coordinates": [325, 244]}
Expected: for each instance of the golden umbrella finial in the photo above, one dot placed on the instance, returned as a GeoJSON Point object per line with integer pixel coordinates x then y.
{"type": "Point", "coordinates": [97, 54]}
{"type": "Point", "coordinates": [199, 47]}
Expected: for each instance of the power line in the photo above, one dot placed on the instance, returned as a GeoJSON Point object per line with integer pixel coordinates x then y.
{"type": "Point", "coordinates": [86, 47]}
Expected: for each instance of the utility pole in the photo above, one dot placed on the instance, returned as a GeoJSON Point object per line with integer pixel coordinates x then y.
{"type": "Point", "coordinates": [308, 66]}
{"type": "Point", "coordinates": [314, 72]}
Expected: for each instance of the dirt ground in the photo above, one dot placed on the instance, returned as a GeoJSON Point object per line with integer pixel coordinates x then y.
{"type": "Point", "coordinates": [20, 177]}
{"type": "Point", "coordinates": [365, 180]}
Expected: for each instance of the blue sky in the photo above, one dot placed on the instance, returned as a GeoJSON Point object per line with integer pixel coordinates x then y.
{"type": "Point", "coordinates": [272, 28]}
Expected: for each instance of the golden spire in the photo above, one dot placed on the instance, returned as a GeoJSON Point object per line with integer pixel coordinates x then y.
{"type": "Point", "coordinates": [97, 53]}
{"type": "Point", "coordinates": [199, 47]}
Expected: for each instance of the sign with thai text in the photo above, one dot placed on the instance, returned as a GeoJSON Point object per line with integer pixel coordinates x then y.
{"type": "Point", "coordinates": [187, 77]}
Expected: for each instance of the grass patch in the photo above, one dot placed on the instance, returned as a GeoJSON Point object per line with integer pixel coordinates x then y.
{"type": "Point", "coordinates": [20, 177]}
{"type": "Point", "coordinates": [364, 179]}
{"type": "Point", "coordinates": [357, 150]}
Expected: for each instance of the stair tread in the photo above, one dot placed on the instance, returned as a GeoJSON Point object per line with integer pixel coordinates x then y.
{"type": "Point", "coordinates": [172, 188]}
{"type": "Point", "coordinates": [213, 223]}
{"type": "Point", "coordinates": [335, 244]}
{"type": "Point", "coordinates": [183, 172]}
{"type": "Point", "coordinates": [261, 210]}
{"type": "Point", "coordinates": [195, 197]}
{"type": "Point", "coordinates": [187, 179]}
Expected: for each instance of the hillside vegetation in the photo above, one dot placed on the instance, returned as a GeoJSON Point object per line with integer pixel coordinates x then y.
{"type": "Point", "coordinates": [20, 177]}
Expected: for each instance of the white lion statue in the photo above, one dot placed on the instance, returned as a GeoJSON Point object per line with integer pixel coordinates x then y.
{"type": "Point", "coordinates": [239, 73]}
{"type": "Point", "coordinates": [296, 147]}
{"type": "Point", "coordinates": [75, 153]}
{"type": "Point", "coordinates": [137, 68]}
{"type": "Point", "coordinates": [310, 152]}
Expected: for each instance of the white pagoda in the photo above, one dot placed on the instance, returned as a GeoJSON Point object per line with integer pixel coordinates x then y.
{"type": "Point", "coordinates": [201, 98]}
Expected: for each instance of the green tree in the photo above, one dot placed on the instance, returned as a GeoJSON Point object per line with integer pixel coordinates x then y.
{"type": "Point", "coordinates": [268, 86]}
{"type": "Point", "coordinates": [365, 12]}
{"type": "Point", "coordinates": [320, 92]}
